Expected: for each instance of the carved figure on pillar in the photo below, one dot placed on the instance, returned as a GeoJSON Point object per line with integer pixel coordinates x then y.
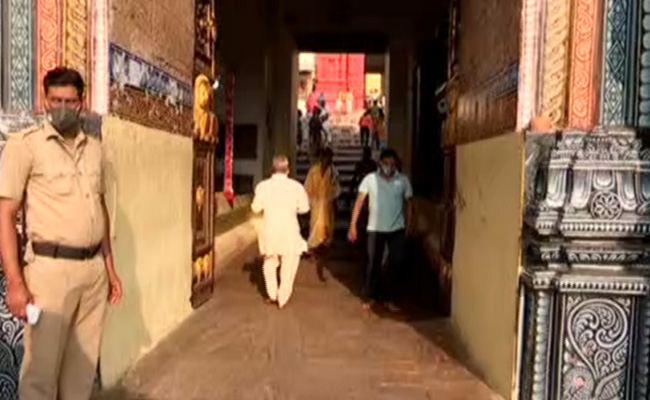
{"type": "Point", "coordinates": [205, 121]}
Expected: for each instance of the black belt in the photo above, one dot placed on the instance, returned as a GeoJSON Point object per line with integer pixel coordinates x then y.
{"type": "Point", "coordinates": [64, 252]}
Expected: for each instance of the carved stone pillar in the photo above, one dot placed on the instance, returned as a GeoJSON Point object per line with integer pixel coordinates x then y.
{"type": "Point", "coordinates": [619, 86]}
{"type": "Point", "coordinates": [586, 315]}
{"type": "Point", "coordinates": [585, 64]}
{"type": "Point", "coordinates": [643, 117]}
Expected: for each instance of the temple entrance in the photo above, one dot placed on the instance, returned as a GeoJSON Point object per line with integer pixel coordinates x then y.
{"type": "Point", "coordinates": [346, 82]}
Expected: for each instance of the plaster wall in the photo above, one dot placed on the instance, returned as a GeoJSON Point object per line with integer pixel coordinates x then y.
{"type": "Point", "coordinates": [486, 259]}
{"type": "Point", "coordinates": [149, 199]}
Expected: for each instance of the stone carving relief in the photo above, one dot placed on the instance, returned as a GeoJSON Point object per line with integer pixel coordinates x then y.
{"type": "Point", "coordinates": [76, 37]}
{"type": "Point", "coordinates": [617, 89]}
{"type": "Point", "coordinates": [49, 28]}
{"type": "Point", "coordinates": [644, 68]}
{"type": "Point", "coordinates": [610, 187]}
{"type": "Point", "coordinates": [586, 223]}
{"type": "Point", "coordinates": [21, 55]}
{"type": "Point", "coordinates": [528, 68]}
{"type": "Point", "coordinates": [556, 58]}
{"type": "Point", "coordinates": [205, 121]}
{"type": "Point", "coordinates": [582, 87]}
{"type": "Point", "coordinates": [596, 347]}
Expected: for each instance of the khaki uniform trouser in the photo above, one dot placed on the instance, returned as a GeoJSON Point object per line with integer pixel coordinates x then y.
{"type": "Point", "coordinates": [62, 349]}
{"type": "Point", "coordinates": [288, 271]}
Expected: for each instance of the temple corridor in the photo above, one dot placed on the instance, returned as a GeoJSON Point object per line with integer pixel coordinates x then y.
{"type": "Point", "coordinates": [323, 345]}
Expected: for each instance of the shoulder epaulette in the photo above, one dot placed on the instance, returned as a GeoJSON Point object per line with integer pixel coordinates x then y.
{"type": "Point", "coordinates": [24, 133]}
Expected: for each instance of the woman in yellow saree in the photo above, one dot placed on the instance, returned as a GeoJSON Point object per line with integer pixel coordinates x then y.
{"type": "Point", "coordinates": [322, 187]}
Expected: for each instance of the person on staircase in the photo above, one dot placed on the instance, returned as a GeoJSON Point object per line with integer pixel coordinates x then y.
{"type": "Point", "coordinates": [315, 132]}
{"type": "Point", "coordinates": [388, 193]}
{"type": "Point", "coordinates": [323, 189]}
{"type": "Point", "coordinates": [381, 138]}
{"type": "Point", "coordinates": [365, 128]}
{"type": "Point", "coordinates": [281, 200]}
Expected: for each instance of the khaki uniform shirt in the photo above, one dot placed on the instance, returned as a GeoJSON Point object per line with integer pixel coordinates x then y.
{"type": "Point", "coordinates": [64, 187]}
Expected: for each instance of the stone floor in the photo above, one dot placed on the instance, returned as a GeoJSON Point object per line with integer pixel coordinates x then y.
{"type": "Point", "coordinates": [323, 345]}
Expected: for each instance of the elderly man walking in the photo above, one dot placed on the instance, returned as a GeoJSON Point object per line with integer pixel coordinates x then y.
{"type": "Point", "coordinates": [281, 199]}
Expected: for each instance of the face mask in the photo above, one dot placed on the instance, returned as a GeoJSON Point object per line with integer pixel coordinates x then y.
{"type": "Point", "coordinates": [64, 119]}
{"type": "Point", "coordinates": [387, 171]}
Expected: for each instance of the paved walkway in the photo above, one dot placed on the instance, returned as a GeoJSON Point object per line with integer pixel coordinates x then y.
{"type": "Point", "coordinates": [323, 345]}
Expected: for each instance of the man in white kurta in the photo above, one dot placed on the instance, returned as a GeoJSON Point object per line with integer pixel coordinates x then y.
{"type": "Point", "coordinates": [281, 199]}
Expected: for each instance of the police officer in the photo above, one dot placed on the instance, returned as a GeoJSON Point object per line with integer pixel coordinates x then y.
{"type": "Point", "coordinates": [57, 171]}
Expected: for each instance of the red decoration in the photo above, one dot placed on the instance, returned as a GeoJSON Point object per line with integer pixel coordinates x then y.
{"type": "Point", "coordinates": [228, 190]}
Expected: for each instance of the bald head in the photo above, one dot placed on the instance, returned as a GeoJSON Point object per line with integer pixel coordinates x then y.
{"type": "Point", "coordinates": [280, 165]}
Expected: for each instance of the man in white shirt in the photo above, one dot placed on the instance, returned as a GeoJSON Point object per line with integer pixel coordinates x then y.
{"type": "Point", "coordinates": [281, 199]}
{"type": "Point", "coordinates": [388, 193]}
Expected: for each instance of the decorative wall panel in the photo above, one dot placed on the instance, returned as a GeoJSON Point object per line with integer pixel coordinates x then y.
{"type": "Point", "coordinates": [530, 23]}
{"type": "Point", "coordinates": [11, 329]}
{"type": "Point", "coordinates": [76, 37]}
{"type": "Point", "coordinates": [152, 111]}
{"type": "Point", "coordinates": [585, 74]}
{"type": "Point", "coordinates": [488, 110]}
{"type": "Point", "coordinates": [644, 64]}
{"type": "Point", "coordinates": [127, 69]}
{"type": "Point", "coordinates": [99, 53]}
{"type": "Point", "coordinates": [587, 216]}
{"type": "Point", "coordinates": [49, 45]}
{"type": "Point", "coordinates": [618, 88]}
{"type": "Point", "coordinates": [204, 149]}
{"type": "Point", "coordinates": [21, 55]}
{"type": "Point", "coordinates": [205, 39]}
{"type": "Point", "coordinates": [556, 59]}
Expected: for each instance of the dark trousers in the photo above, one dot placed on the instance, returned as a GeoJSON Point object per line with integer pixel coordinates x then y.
{"type": "Point", "coordinates": [365, 136]}
{"type": "Point", "coordinates": [378, 279]}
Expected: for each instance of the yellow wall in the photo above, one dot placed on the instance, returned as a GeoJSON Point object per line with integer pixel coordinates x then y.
{"type": "Point", "coordinates": [486, 257]}
{"type": "Point", "coordinates": [149, 195]}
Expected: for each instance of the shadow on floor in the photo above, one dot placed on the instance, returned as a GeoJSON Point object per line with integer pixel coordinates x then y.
{"type": "Point", "coordinates": [414, 287]}
{"type": "Point", "coordinates": [256, 275]}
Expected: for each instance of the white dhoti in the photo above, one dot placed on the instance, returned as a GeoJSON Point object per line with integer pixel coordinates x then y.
{"type": "Point", "coordinates": [279, 239]}
{"type": "Point", "coordinates": [288, 269]}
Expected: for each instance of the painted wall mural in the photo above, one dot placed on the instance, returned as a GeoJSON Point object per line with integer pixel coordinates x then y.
{"type": "Point", "coordinates": [152, 111]}
{"type": "Point", "coordinates": [127, 69]}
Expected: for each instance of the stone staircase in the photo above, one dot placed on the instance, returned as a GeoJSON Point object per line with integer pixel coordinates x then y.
{"type": "Point", "coordinates": [347, 152]}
